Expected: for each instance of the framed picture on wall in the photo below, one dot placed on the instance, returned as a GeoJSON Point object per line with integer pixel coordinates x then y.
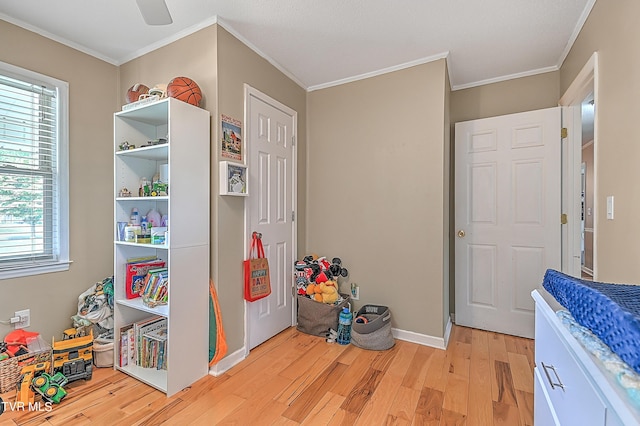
{"type": "Point", "coordinates": [231, 143]}
{"type": "Point", "coordinates": [234, 179]}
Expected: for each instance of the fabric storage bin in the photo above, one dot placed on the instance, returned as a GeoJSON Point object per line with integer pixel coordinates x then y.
{"type": "Point", "coordinates": [316, 317]}
{"type": "Point", "coordinates": [103, 354]}
{"type": "Point", "coordinates": [375, 334]}
{"type": "Point", "coordinates": [11, 368]}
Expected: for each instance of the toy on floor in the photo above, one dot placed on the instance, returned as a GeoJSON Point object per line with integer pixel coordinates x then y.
{"type": "Point", "coordinates": [36, 379]}
{"type": "Point", "coordinates": [332, 336]}
{"type": "Point", "coordinates": [73, 356]}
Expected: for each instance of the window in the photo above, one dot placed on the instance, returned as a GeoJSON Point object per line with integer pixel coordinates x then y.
{"type": "Point", "coordinates": [34, 235]}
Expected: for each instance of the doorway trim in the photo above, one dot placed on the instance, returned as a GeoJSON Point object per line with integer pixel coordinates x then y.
{"type": "Point", "coordinates": [249, 92]}
{"type": "Point", "coordinates": [585, 83]}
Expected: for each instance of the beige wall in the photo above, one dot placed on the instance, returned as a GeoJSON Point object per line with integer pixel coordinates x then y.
{"type": "Point", "coordinates": [447, 213]}
{"type": "Point", "coordinates": [53, 298]}
{"type": "Point", "coordinates": [376, 168]}
{"type": "Point", "coordinates": [612, 30]}
{"type": "Point", "coordinates": [506, 97]}
{"type": "Point", "coordinates": [237, 65]}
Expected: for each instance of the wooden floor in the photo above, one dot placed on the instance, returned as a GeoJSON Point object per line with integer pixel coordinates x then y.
{"type": "Point", "coordinates": [483, 378]}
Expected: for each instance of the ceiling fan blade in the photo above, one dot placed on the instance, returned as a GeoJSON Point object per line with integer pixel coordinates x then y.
{"type": "Point", "coordinates": [154, 12]}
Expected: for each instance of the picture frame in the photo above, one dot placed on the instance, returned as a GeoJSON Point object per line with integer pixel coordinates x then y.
{"type": "Point", "coordinates": [234, 179]}
{"type": "Point", "coordinates": [231, 144]}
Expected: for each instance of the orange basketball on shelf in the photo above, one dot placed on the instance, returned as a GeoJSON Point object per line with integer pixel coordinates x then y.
{"type": "Point", "coordinates": [134, 92]}
{"type": "Point", "coordinates": [185, 89]}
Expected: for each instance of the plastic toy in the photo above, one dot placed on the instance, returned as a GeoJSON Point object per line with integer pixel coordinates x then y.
{"type": "Point", "coordinates": [73, 356]}
{"type": "Point", "coordinates": [35, 378]}
{"type": "Point", "coordinates": [50, 387]}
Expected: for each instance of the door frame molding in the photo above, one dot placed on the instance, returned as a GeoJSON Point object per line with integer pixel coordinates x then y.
{"type": "Point", "coordinates": [249, 92]}
{"type": "Point", "coordinates": [582, 86]}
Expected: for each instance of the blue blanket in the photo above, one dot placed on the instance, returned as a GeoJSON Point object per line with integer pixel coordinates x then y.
{"type": "Point", "coordinates": [610, 311]}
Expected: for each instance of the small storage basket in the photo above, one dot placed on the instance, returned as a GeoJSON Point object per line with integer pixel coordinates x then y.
{"type": "Point", "coordinates": [316, 317]}
{"type": "Point", "coordinates": [11, 368]}
{"type": "Point", "coordinates": [103, 354]}
{"type": "Point", "coordinates": [375, 334]}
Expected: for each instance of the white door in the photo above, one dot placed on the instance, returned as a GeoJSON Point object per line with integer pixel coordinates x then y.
{"type": "Point", "coordinates": [507, 215]}
{"type": "Point", "coordinates": [271, 129]}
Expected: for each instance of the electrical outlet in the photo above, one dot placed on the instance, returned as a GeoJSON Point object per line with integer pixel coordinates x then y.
{"type": "Point", "coordinates": [355, 291]}
{"type": "Point", "coordinates": [25, 319]}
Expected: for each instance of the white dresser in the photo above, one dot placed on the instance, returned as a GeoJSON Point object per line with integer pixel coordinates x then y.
{"type": "Point", "coordinates": [571, 386]}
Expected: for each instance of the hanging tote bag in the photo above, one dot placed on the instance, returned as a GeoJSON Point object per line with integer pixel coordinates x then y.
{"type": "Point", "coordinates": [257, 283]}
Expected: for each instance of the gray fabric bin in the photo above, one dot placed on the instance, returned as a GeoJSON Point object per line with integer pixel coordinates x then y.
{"type": "Point", "coordinates": [376, 333]}
{"type": "Point", "coordinates": [316, 317]}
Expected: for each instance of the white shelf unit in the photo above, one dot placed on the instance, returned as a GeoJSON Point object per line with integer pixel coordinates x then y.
{"type": "Point", "coordinates": [186, 252]}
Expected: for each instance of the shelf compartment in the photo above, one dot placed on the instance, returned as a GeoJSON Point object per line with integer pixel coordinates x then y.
{"type": "Point", "coordinates": [150, 376]}
{"type": "Point", "coordinates": [137, 303]}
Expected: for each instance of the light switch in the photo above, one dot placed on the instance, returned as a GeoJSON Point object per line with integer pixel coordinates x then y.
{"type": "Point", "coordinates": [610, 207]}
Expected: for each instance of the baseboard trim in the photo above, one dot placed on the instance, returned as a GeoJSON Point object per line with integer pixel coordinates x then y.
{"type": "Point", "coordinates": [228, 362]}
{"type": "Point", "coordinates": [423, 339]}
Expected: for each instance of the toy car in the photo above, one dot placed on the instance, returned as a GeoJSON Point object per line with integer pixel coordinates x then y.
{"type": "Point", "coordinates": [50, 387]}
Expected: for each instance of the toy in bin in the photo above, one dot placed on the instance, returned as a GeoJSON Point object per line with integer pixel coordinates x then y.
{"type": "Point", "coordinates": [317, 278]}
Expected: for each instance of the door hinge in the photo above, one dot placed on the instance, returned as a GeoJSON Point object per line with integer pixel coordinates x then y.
{"type": "Point", "coordinates": [293, 216]}
{"type": "Point", "coordinates": [564, 133]}
{"type": "Point", "coordinates": [293, 140]}
{"type": "Point", "coordinates": [563, 219]}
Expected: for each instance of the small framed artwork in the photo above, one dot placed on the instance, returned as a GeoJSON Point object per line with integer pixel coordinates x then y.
{"type": "Point", "coordinates": [231, 143]}
{"type": "Point", "coordinates": [234, 179]}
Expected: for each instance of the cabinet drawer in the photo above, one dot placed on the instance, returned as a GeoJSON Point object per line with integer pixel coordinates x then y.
{"type": "Point", "coordinates": [543, 414]}
{"type": "Point", "coordinates": [573, 398]}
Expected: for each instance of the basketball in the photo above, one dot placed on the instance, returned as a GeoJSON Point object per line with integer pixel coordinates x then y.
{"type": "Point", "coordinates": [185, 89]}
{"type": "Point", "coordinates": [134, 92]}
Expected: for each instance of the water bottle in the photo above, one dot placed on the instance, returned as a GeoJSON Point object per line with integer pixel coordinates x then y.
{"type": "Point", "coordinates": [344, 326]}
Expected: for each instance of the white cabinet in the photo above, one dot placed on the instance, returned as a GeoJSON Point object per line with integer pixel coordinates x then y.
{"type": "Point", "coordinates": [183, 132]}
{"type": "Point", "coordinates": [572, 387]}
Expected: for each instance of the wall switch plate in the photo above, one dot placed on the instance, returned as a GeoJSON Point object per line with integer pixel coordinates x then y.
{"type": "Point", "coordinates": [25, 319]}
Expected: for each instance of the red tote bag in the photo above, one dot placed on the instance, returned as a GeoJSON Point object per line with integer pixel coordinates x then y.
{"type": "Point", "coordinates": [257, 282]}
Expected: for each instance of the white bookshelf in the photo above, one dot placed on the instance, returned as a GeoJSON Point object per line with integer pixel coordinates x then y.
{"type": "Point", "coordinates": [186, 129]}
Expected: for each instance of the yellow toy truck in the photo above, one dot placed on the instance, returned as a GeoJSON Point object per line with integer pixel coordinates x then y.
{"type": "Point", "coordinates": [73, 356]}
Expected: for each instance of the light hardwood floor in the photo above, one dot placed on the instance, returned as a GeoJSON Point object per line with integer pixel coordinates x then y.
{"type": "Point", "coordinates": [483, 378]}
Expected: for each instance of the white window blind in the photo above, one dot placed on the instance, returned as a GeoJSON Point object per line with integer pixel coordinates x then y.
{"type": "Point", "coordinates": [31, 178]}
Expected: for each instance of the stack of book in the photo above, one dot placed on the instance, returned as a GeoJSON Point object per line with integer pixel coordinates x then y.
{"type": "Point", "coordinates": [136, 271]}
{"type": "Point", "coordinates": [155, 289]}
{"type": "Point", "coordinates": [143, 343]}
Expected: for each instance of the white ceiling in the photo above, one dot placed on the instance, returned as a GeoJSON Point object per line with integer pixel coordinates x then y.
{"type": "Point", "coordinates": [320, 43]}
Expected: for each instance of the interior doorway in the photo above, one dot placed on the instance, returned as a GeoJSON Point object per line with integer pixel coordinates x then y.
{"type": "Point", "coordinates": [587, 186]}
{"type": "Point", "coordinates": [579, 173]}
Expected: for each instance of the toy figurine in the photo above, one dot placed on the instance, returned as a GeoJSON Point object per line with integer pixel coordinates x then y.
{"type": "Point", "coordinates": [124, 192]}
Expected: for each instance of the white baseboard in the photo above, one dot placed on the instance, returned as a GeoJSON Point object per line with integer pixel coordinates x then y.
{"type": "Point", "coordinates": [228, 362]}
{"type": "Point", "coordinates": [423, 339]}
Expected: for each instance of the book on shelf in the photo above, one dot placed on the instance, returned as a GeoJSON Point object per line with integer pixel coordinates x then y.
{"type": "Point", "coordinates": [154, 345]}
{"type": "Point", "coordinates": [151, 325]}
{"type": "Point", "coordinates": [155, 290]}
{"type": "Point", "coordinates": [124, 344]}
{"type": "Point", "coordinates": [136, 272]}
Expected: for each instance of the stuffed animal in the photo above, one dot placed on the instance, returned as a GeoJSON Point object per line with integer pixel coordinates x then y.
{"type": "Point", "coordinates": [329, 291]}
{"type": "Point", "coordinates": [315, 292]}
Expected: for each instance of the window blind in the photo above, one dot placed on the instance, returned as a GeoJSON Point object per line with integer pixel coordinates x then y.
{"type": "Point", "coordinates": [28, 174]}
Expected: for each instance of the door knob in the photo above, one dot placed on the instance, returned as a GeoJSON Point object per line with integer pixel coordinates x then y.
{"type": "Point", "coordinates": [461, 233]}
